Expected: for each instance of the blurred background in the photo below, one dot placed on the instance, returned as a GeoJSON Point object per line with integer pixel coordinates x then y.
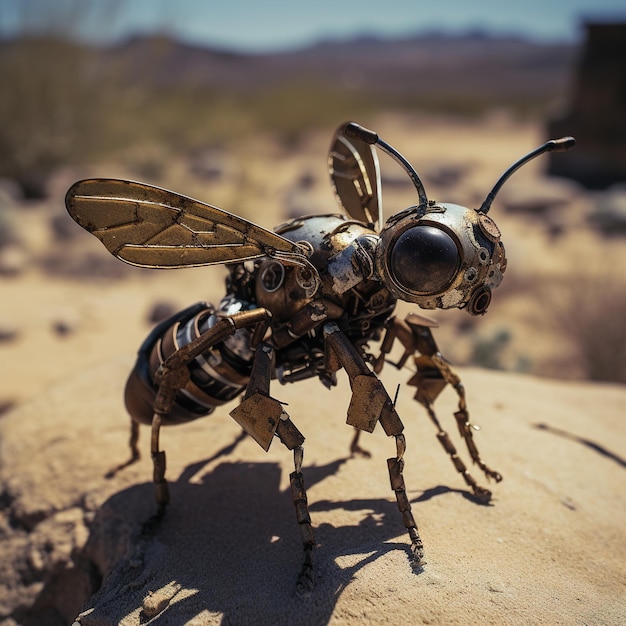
{"type": "Point", "coordinates": [234, 103]}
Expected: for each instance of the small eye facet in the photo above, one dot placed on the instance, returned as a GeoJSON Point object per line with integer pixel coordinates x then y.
{"type": "Point", "coordinates": [424, 259]}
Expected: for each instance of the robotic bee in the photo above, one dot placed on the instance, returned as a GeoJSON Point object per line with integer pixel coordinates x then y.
{"type": "Point", "coordinates": [303, 301]}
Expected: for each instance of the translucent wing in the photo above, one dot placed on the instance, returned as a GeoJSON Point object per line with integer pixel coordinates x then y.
{"type": "Point", "coordinates": [355, 176]}
{"type": "Point", "coordinates": [151, 227]}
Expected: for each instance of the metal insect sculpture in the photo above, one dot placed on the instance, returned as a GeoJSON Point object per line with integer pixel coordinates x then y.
{"type": "Point", "coordinates": [304, 301]}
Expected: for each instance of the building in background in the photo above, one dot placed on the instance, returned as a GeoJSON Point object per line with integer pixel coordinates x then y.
{"type": "Point", "coordinates": [597, 113]}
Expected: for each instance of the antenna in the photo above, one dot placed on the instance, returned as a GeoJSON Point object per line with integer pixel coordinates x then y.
{"type": "Point", "coordinates": [554, 145]}
{"type": "Point", "coordinates": [356, 131]}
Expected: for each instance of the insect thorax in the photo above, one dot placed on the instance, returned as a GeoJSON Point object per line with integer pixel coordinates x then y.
{"type": "Point", "coordinates": [342, 251]}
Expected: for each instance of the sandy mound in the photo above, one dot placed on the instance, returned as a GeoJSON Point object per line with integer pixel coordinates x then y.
{"type": "Point", "coordinates": [550, 548]}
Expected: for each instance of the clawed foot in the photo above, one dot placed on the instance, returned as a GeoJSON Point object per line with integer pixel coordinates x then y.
{"type": "Point", "coordinates": [417, 558]}
{"type": "Point", "coordinates": [152, 523]}
{"type": "Point", "coordinates": [495, 475]}
{"type": "Point", "coordinates": [417, 550]}
{"type": "Point", "coordinates": [482, 495]}
{"type": "Point", "coordinates": [305, 583]}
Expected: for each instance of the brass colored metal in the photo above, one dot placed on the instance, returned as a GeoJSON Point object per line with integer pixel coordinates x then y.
{"type": "Point", "coordinates": [300, 501]}
{"type": "Point", "coordinates": [301, 302]}
{"type": "Point", "coordinates": [150, 227]}
{"type": "Point", "coordinates": [259, 416]}
{"type": "Point", "coordinates": [366, 405]}
{"type": "Point", "coordinates": [395, 474]}
{"type": "Point", "coordinates": [331, 359]}
{"type": "Point", "coordinates": [134, 440]}
{"type": "Point", "coordinates": [173, 376]}
{"type": "Point", "coordinates": [261, 371]}
{"type": "Point", "coordinates": [355, 176]}
{"type": "Point", "coordinates": [370, 401]}
{"type": "Point", "coordinates": [428, 380]}
{"type": "Point", "coordinates": [396, 468]}
{"type": "Point", "coordinates": [413, 333]}
{"type": "Point", "coordinates": [403, 501]}
{"type": "Point", "coordinates": [462, 418]}
{"type": "Point", "coordinates": [159, 464]}
{"type": "Point", "coordinates": [432, 375]}
{"type": "Point", "coordinates": [389, 419]}
{"type": "Point", "coordinates": [347, 355]}
{"type": "Point", "coordinates": [305, 320]}
{"type": "Point", "coordinates": [287, 432]}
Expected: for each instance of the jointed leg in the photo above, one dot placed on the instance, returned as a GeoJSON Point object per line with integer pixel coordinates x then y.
{"type": "Point", "coordinates": [134, 440]}
{"type": "Point", "coordinates": [173, 375]}
{"type": "Point", "coordinates": [355, 446]}
{"type": "Point", "coordinates": [371, 403]}
{"type": "Point", "coordinates": [396, 467]}
{"type": "Point", "coordinates": [432, 375]}
{"type": "Point", "coordinates": [484, 495]}
{"type": "Point", "coordinates": [263, 417]}
{"type": "Point", "coordinates": [162, 406]}
{"type": "Point", "coordinates": [159, 463]}
{"type": "Point", "coordinates": [462, 417]}
{"type": "Point", "coordinates": [298, 494]}
{"type": "Point", "coordinates": [134, 450]}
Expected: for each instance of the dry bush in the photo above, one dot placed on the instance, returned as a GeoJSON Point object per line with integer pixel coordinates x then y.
{"type": "Point", "coordinates": [591, 311]}
{"type": "Point", "coordinates": [52, 92]}
{"type": "Point", "coordinates": [66, 102]}
{"type": "Point", "coordinates": [45, 106]}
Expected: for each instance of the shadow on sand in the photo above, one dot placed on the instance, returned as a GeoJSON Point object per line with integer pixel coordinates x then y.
{"type": "Point", "coordinates": [228, 551]}
{"type": "Point", "coordinates": [596, 447]}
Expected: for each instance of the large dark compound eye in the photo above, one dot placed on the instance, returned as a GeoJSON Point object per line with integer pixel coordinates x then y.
{"type": "Point", "coordinates": [424, 260]}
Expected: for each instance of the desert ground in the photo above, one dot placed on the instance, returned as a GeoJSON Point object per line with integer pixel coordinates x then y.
{"type": "Point", "coordinates": [549, 549]}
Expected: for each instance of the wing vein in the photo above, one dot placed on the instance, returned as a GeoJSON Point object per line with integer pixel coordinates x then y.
{"type": "Point", "coordinates": [151, 227]}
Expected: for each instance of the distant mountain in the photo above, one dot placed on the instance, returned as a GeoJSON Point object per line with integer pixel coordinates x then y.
{"type": "Point", "coordinates": [421, 65]}
{"type": "Point", "coordinates": [66, 102]}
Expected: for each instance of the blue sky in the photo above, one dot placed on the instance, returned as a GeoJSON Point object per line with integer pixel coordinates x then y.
{"type": "Point", "coordinates": [258, 25]}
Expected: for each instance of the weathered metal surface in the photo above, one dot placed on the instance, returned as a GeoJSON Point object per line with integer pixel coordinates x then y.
{"type": "Point", "coordinates": [259, 415]}
{"type": "Point", "coordinates": [355, 177]}
{"type": "Point", "coordinates": [151, 227]}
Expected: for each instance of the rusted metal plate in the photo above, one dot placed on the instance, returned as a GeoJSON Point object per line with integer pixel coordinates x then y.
{"type": "Point", "coordinates": [368, 400]}
{"type": "Point", "coordinates": [259, 415]}
{"type": "Point", "coordinates": [428, 380]}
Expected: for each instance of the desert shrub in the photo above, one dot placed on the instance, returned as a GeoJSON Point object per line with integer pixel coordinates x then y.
{"type": "Point", "coordinates": [590, 310]}
{"type": "Point", "coordinates": [66, 100]}
{"type": "Point", "coordinates": [40, 99]}
{"type": "Point", "coordinates": [52, 93]}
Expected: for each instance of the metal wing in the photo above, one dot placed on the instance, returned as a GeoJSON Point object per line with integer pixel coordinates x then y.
{"type": "Point", "coordinates": [355, 177]}
{"type": "Point", "coordinates": [151, 227]}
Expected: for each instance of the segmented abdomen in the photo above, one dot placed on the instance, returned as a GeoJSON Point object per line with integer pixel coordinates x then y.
{"type": "Point", "coordinates": [217, 376]}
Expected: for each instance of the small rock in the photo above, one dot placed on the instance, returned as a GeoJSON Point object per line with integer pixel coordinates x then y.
{"type": "Point", "coordinates": [67, 322]}
{"type": "Point", "coordinates": [157, 601]}
{"type": "Point", "coordinates": [7, 335]}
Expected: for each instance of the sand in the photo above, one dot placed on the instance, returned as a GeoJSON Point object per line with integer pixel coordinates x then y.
{"type": "Point", "coordinates": [549, 549]}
